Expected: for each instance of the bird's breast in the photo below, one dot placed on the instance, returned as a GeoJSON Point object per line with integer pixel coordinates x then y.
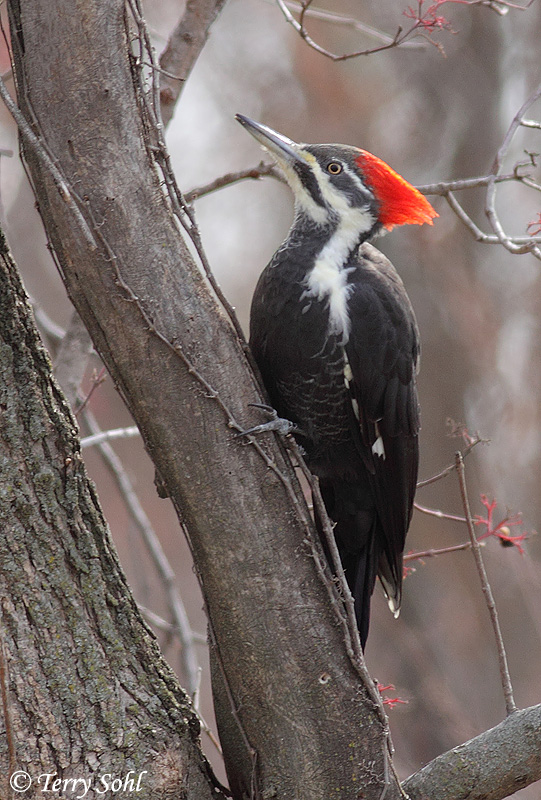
{"type": "Point", "coordinates": [302, 362]}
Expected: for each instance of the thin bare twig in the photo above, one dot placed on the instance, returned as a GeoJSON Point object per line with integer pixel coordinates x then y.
{"type": "Point", "coordinates": [487, 590]}
{"type": "Point", "coordinates": [399, 38]}
{"type": "Point", "coordinates": [424, 23]}
{"type": "Point", "coordinates": [436, 551]}
{"type": "Point", "coordinates": [53, 331]}
{"type": "Point", "coordinates": [231, 178]}
{"type": "Point", "coordinates": [96, 381]}
{"type": "Point", "coordinates": [490, 203]}
{"type": "Point", "coordinates": [442, 188]}
{"type": "Point", "coordinates": [168, 627]}
{"type": "Point", "coordinates": [434, 512]}
{"type": "Point", "coordinates": [451, 468]}
{"type": "Point", "coordinates": [530, 123]}
{"type": "Point", "coordinates": [106, 436]}
{"type": "Point", "coordinates": [351, 22]}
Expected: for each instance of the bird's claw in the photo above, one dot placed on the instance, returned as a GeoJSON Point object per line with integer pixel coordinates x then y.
{"type": "Point", "coordinates": [278, 424]}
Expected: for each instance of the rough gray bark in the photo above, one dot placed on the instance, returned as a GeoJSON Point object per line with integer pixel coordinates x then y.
{"type": "Point", "coordinates": [293, 700]}
{"type": "Point", "coordinates": [86, 692]}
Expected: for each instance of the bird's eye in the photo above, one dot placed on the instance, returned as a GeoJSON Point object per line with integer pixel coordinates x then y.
{"type": "Point", "coordinates": [334, 168]}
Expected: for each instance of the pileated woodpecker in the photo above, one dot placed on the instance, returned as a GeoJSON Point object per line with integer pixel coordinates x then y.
{"type": "Point", "coordinates": [335, 338]}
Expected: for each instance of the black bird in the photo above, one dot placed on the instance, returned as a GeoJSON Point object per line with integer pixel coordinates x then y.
{"type": "Point", "coordinates": [335, 338]}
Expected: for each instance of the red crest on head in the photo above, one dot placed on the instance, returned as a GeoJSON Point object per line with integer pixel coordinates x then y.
{"type": "Point", "coordinates": [400, 202]}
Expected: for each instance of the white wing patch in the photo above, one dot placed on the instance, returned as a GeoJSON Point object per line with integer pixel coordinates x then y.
{"type": "Point", "coordinates": [348, 378]}
{"type": "Point", "coordinates": [348, 372]}
{"type": "Point", "coordinates": [378, 449]}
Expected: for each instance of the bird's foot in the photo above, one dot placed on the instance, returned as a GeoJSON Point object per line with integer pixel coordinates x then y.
{"type": "Point", "coordinates": [278, 424]}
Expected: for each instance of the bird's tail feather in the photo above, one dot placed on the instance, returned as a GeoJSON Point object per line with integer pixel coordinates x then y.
{"type": "Point", "coordinates": [356, 537]}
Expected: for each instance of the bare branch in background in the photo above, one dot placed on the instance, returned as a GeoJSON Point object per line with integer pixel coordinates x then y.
{"type": "Point", "coordinates": [398, 39]}
{"type": "Point", "coordinates": [190, 664]}
{"type": "Point", "coordinates": [168, 627]}
{"type": "Point", "coordinates": [471, 442]}
{"type": "Point", "coordinates": [517, 245]}
{"type": "Point", "coordinates": [47, 326]}
{"type": "Point", "coordinates": [72, 358]}
{"type": "Point", "coordinates": [348, 22]}
{"type": "Point", "coordinates": [97, 379]}
{"type": "Point", "coordinates": [487, 590]}
{"type": "Point", "coordinates": [436, 551]}
{"type": "Point", "coordinates": [106, 436]}
{"type": "Point", "coordinates": [490, 207]}
{"type": "Point", "coordinates": [424, 23]}
{"type": "Point", "coordinates": [501, 530]}
{"type": "Point", "coordinates": [434, 512]}
{"type": "Point", "coordinates": [182, 50]}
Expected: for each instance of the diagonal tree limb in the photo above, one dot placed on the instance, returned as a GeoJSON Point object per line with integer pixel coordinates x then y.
{"type": "Point", "coordinates": [493, 765]}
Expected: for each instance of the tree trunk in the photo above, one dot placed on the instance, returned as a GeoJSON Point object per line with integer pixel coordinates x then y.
{"type": "Point", "coordinates": [86, 693]}
{"type": "Point", "coordinates": [292, 701]}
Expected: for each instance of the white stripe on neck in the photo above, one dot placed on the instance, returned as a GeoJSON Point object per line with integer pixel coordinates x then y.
{"type": "Point", "coordinates": [328, 277]}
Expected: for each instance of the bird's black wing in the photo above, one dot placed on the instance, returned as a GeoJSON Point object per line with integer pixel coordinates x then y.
{"type": "Point", "coordinates": [382, 354]}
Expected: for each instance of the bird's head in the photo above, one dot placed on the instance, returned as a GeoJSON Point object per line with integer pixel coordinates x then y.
{"type": "Point", "coordinates": [333, 182]}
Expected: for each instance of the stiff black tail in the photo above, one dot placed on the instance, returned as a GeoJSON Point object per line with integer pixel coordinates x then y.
{"type": "Point", "coordinates": [351, 509]}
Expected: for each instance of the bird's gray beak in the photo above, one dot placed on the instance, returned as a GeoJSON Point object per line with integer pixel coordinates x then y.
{"type": "Point", "coordinates": [282, 148]}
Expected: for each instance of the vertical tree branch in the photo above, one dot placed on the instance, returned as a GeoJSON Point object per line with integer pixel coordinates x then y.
{"type": "Point", "coordinates": [182, 50]}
